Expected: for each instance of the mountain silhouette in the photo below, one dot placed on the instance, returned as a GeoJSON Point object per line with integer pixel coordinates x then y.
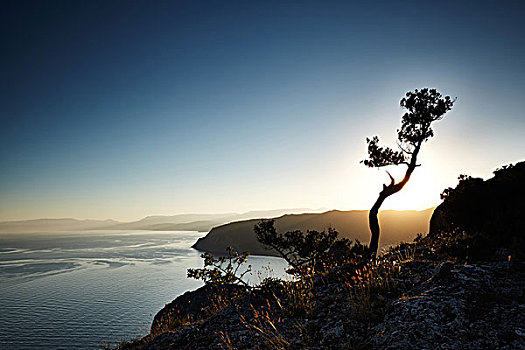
{"type": "Point", "coordinates": [397, 225]}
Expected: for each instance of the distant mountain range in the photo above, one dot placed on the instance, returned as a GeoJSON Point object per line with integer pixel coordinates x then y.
{"type": "Point", "coordinates": [396, 226]}
{"type": "Point", "coordinates": [180, 222]}
{"type": "Point", "coordinates": [51, 225]}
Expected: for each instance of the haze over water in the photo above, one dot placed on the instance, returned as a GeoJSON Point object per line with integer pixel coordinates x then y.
{"type": "Point", "coordinates": [80, 289]}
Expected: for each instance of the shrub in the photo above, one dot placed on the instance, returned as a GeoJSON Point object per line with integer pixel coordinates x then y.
{"type": "Point", "coordinates": [313, 250]}
{"type": "Point", "coordinates": [463, 245]}
{"type": "Point", "coordinates": [222, 269]}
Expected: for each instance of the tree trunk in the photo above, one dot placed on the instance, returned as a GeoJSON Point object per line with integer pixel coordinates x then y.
{"type": "Point", "coordinates": [373, 224]}
{"type": "Point", "coordinates": [388, 190]}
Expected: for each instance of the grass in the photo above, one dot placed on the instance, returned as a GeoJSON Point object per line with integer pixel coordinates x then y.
{"type": "Point", "coordinates": [173, 321]}
{"type": "Point", "coordinates": [300, 299]}
{"type": "Point", "coordinates": [226, 342]}
{"type": "Point", "coordinates": [264, 325]}
{"type": "Point", "coordinates": [370, 287]}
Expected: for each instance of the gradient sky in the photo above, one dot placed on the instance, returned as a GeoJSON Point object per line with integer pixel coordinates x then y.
{"type": "Point", "coordinates": [122, 109]}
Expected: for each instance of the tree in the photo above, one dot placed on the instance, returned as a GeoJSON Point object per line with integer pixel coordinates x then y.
{"type": "Point", "coordinates": [423, 107]}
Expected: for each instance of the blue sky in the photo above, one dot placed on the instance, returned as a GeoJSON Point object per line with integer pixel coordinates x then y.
{"type": "Point", "coordinates": [126, 109]}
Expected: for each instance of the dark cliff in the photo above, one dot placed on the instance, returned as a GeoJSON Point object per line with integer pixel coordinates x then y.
{"type": "Point", "coordinates": [490, 212]}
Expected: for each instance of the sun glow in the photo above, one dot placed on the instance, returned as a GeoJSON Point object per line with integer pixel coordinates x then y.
{"type": "Point", "coordinates": [421, 192]}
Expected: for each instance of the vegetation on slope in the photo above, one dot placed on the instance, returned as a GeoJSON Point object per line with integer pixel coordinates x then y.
{"type": "Point", "coordinates": [414, 297]}
{"type": "Point", "coordinates": [457, 289]}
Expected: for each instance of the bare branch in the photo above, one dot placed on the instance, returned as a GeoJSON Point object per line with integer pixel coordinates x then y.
{"type": "Point", "coordinates": [392, 181]}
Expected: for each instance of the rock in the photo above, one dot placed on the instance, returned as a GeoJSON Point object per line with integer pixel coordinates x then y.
{"type": "Point", "coordinates": [194, 306]}
{"type": "Point", "coordinates": [443, 271]}
{"type": "Point", "coordinates": [474, 310]}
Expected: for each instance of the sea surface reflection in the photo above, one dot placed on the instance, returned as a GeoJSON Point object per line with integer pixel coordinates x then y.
{"type": "Point", "coordinates": [81, 289]}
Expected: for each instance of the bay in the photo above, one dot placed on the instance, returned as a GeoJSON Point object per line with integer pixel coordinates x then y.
{"type": "Point", "coordinates": [64, 290]}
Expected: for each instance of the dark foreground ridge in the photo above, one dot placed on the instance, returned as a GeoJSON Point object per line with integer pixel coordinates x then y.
{"type": "Point", "coordinates": [409, 300]}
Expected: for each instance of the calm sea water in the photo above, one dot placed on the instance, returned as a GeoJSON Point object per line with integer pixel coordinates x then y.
{"type": "Point", "coordinates": [79, 290]}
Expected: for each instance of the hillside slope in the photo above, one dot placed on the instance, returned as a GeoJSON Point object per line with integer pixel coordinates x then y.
{"type": "Point", "coordinates": [396, 226]}
{"type": "Point", "coordinates": [492, 208]}
{"type": "Point", "coordinates": [417, 300]}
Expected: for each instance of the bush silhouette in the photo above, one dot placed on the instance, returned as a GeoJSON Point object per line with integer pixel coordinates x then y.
{"type": "Point", "coordinates": [317, 250]}
{"type": "Point", "coordinates": [222, 269]}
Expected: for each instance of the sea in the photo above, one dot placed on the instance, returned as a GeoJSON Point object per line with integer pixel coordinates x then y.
{"type": "Point", "coordinates": [89, 289]}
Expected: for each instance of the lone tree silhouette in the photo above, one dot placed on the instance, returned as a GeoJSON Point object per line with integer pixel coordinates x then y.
{"type": "Point", "coordinates": [423, 107]}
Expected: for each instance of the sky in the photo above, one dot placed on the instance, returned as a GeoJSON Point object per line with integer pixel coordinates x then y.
{"type": "Point", "coordinates": [122, 109]}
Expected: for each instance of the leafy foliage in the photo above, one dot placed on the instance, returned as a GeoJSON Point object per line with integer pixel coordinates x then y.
{"type": "Point", "coordinates": [222, 269]}
{"type": "Point", "coordinates": [465, 181]}
{"type": "Point", "coordinates": [312, 249]}
{"type": "Point", "coordinates": [379, 156]}
{"type": "Point", "coordinates": [423, 107]}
